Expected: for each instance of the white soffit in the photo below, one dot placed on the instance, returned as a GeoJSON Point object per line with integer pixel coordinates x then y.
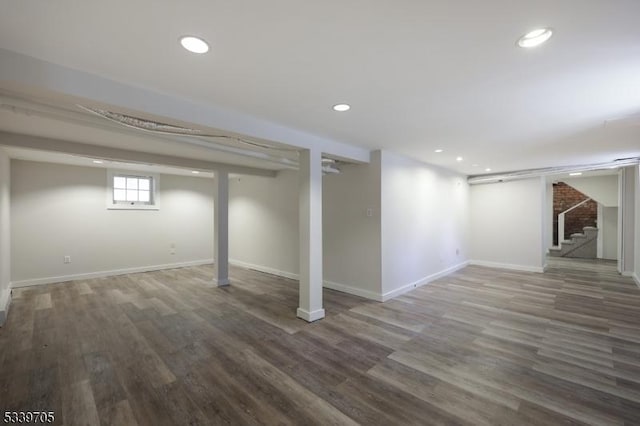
{"type": "Point", "coordinates": [75, 160]}
{"type": "Point", "coordinates": [418, 75]}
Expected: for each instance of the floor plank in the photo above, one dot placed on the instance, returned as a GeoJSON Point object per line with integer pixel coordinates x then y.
{"type": "Point", "coordinates": [481, 346]}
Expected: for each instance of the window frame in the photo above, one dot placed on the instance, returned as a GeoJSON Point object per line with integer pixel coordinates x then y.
{"type": "Point", "coordinates": [154, 192]}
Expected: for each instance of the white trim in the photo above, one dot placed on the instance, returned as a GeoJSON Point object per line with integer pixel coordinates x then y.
{"type": "Point", "coordinates": [627, 274]}
{"type": "Point", "coordinates": [524, 268]}
{"type": "Point", "coordinates": [310, 316]}
{"type": "Point", "coordinates": [5, 302]}
{"type": "Point", "coordinates": [636, 279]}
{"type": "Point", "coordinates": [102, 274]}
{"type": "Point", "coordinates": [328, 284]}
{"type": "Point", "coordinates": [353, 290]}
{"type": "Point", "coordinates": [264, 269]}
{"type": "Point", "coordinates": [221, 283]}
{"type": "Point", "coordinates": [422, 281]}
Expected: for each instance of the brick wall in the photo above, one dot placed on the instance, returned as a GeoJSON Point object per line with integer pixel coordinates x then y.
{"type": "Point", "coordinates": [564, 197]}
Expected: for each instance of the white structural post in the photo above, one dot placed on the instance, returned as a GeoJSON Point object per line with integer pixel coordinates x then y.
{"type": "Point", "coordinates": [310, 211]}
{"type": "Point", "coordinates": [221, 229]}
{"type": "Point", "coordinates": [626, 220]}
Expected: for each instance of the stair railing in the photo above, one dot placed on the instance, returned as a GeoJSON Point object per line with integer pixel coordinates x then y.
{"type": "Point", "coordinates": [561, 219]}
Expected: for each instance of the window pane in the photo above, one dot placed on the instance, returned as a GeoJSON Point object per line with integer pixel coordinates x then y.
{"type": "Point", "coordinates": [119, 182]}
{"type": "Point", "coordinates": [144, 184]}
{"type": "Point", "coordinates": [143, 196]}
{"type": "Point", "coordinates": [132, 195]}
{"type": "Point", "coordinates": [119, 195]}
{"type": "Point", "coordinates": [132, 183]}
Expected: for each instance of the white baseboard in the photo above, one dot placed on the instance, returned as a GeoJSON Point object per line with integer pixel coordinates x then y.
{"type": "Point", "coordinates": [310, 316]}
{"type": "Point", "coordinates": [328, 284]}
{"type": "Point", "coordinates": [524, 268]}
{"type": "Point", "coordinates": [220, 283]}
{"type": "Point", "coordinates": [5, 303]}
{"type": "Point", "coordinates": [102, 274]}
{"type": "Point", "coordinates": [264, 269]}
{"type": "Point", "coordinates": [353, 290]}
{"type": "Point", "coordinates": [422, 281]}
{"type": "Point", "coordinates": [636, 279]}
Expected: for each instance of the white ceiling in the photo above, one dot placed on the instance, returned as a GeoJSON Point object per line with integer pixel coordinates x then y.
{"type": "Point", "coordinates": [419, 75]}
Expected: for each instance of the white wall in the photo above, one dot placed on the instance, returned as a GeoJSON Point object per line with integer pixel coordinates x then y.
{"type": "Point", "coordinates": [627, 231]}
{"type": "Point", "coordinates": [263, 223]}
{"type": "Point", "coordinates": [548, 241]}
{"type": "Point", "coordinates": [507, 224]}
{"type": "Point", "coordinates": [609, 232]}
{"type": "Point", "coordinates": [636, 267]}
{"type": "Point", "coordinates": [603, 189]}
{"type": "Point", "coordinates": [351, 238]}
{"type": "Point", "coordinates": [60, 210]}
{"type": "Point", "coordinates": [425, 223]}
{"type": "Point", "coordinates": [5, 235]}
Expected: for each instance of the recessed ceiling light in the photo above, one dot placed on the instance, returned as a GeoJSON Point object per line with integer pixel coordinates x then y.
{"type": "Point", "coordinates": [341, 107]}
{"type": "Point", "coordinates": [487, 169]}
{"type": "Point", "coordinates": [194, 44]}
{"type": "Point", "coordinates": [438, 150]}
{"type": "Point", "coordinates": [195, 172]}
{"type": "Point", "coordinates": [575, 174]}
{"type": "Point", "coordinates": [98, 161]}
{"type": "Point", "coordinates": [535, 37]}
{"type": "Point", "coordinates": [459, 158]}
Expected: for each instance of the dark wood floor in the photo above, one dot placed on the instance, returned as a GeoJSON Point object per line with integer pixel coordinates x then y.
{"type": "Point", "coordinates": [479, 347]}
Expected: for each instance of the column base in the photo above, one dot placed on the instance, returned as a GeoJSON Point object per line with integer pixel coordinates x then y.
{"type": "Point", "coordinates": [221, 283]}
{"type": "Point", "coordinates": [310, 316]}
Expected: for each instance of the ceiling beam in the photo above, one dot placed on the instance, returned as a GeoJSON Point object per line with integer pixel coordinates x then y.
{"type": "Point", "coordinates": [31, 74]}
{"type": "Point", "coordinates": [124, 155]}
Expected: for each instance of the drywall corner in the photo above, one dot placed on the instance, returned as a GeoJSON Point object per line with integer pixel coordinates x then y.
{"type": "Point", "coordinates": [425, 222]}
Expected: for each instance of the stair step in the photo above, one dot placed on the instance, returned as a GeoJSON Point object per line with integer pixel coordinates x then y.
{"type": "Point", "coordinates": [555, 251]}
{"type": "Point", "coordinates": [577, 235]}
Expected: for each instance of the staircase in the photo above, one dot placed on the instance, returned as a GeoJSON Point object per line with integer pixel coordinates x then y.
{"type": "Point", "coordinates": [583, 245]}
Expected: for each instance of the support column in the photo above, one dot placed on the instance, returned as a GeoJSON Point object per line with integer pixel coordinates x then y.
{"type": "Point", "coordinates": [626, 220]}
{"type": "Point", "coordinates": [310, 211]}
{"type": "Point", "coordinates": [221, 229]}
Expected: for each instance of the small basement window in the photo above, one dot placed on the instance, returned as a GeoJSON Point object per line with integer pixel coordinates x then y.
{"type": "Point", "coordinates": [132, 191]}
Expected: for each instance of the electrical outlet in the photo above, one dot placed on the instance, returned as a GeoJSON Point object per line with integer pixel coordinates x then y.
{"type": "Point", "coordinates": [67, 259]}
{"type": "Point", "coordinates": [369, 212]}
